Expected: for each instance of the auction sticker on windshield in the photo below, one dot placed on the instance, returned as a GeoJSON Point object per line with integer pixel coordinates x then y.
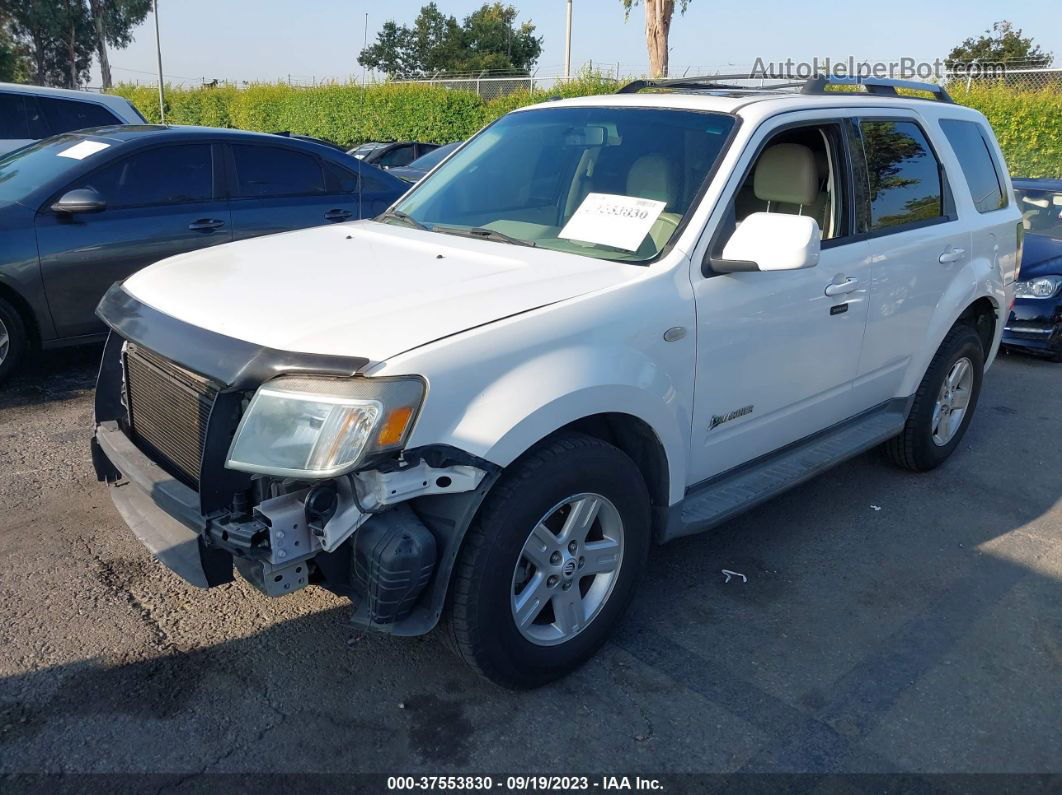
{"type": "Point", "coordinates": [609, 219]}
{"type": "Point", "coordinates": [84, 149]}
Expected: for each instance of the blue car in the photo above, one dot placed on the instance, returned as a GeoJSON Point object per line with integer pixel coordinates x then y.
{"type": "Point", "coordinates": [82, 210]}
{"type": "Point", "coordinates": [1035, 323]}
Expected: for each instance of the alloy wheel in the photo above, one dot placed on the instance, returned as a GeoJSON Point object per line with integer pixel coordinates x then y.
{"type": "Point", "coordinates": [952, 401]}
{"type": "Point", "coordinates": [567, 569]}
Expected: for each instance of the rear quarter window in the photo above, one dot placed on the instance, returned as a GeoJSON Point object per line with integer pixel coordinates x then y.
{"type": "Point", "coordinates": [983, 174]}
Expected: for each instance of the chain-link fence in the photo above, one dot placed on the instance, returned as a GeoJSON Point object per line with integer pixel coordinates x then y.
{"type": "Point", "coordinates": [1018, 79]}
{"type": "Point", "coordinates": [492, 87]}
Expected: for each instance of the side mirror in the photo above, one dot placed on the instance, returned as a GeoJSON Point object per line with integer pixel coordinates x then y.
{"type": "Point", "coordinates": [81, 200]}
{"type": "Point", "coordinates": [771, 242]}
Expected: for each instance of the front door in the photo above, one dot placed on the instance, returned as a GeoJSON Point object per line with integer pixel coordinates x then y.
{"type": "Point", "coordinates": [777, 352]}
{"type": "Point", "coordinates": [160, 202]}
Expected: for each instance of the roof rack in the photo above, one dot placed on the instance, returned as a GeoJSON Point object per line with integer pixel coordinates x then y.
{"type": "Point", "coordinates": [817, 84]}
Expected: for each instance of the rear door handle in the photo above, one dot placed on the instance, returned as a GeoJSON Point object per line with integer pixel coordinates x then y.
{"type": "Point", "coordinates": [338, 215]}
{"type": "Point", "coordinates": [841, 288]}
{"type": "Point", "coordinates": [206, 225]}
{"type": "Point", "coordinates": [951, 255]}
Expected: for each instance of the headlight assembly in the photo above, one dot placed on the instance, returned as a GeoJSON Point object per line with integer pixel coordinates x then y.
{"type": "Point", "coordinates": [306, 427]}
{"type": "Point", "coordinates": [1040, 287]}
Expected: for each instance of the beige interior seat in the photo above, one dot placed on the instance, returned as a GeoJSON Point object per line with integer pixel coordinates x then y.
{"type": "Point", "coordinates": [788, 178]}
{"type": "Point", "coordinates": [653, 177]}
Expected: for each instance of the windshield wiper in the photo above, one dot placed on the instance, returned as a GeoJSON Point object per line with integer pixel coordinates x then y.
{"type": "Point", "coordinates": [398, 215]}
{"type": "Point", "coordinates": [482, 233]}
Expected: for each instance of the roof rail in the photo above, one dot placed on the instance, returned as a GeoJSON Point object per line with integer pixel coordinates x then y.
{"type": "Point", "coordinates": [881, 86]}
{"type": "Point", "coordinates": [817, 84]}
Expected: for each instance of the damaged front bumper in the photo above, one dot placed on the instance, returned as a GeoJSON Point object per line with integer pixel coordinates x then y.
{"type": "Point", "coordinates": [386, 536]}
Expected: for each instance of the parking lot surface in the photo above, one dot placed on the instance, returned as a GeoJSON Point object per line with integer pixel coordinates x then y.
{"type": "Point", "coordinates": [890, 622]}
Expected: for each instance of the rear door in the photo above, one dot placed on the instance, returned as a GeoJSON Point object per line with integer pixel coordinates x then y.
{"type": "Point", "coordinates": [160, 202]}
{"type": "Point", "coordinates": [277, 189]}
{"type": "Point", "coordinates": [918, 241]}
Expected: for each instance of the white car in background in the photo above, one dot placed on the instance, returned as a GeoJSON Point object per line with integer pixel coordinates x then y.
{"type": "Point", "coordinates": [603, 322]}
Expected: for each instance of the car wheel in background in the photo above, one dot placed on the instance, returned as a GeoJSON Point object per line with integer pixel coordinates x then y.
{"type": "Point", "coordinates": [550, 563]}
{"type": "Point", "coordinates": [12, 339]}
{"type": "Point", "coordinates": [943, 405]}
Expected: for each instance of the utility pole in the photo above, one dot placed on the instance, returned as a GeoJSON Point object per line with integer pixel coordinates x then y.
{"type": "Point", "coordinates": [568, 44]}
{"type": "Point", "coordinates": [158, 51]}
{"type": "Point", "coordinates": [364, 44]}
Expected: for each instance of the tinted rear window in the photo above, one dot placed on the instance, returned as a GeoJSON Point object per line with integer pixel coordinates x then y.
{"type": "Point", "coordinates": [272, 171]}
{"type": "Point", "coordinates": [904, 174]}
{"type": "Point", "coordinates": [64, 115]}
{"type": "Point", "coordinates": [978, 165]}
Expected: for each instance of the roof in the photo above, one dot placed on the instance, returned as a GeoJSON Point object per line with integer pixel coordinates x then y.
{"type": "Point", "coordinates": [112, 101]}
{"type": "Point", "coordinates": [762, 103]}
{"type": "Point", "coordinates": [140, 132]}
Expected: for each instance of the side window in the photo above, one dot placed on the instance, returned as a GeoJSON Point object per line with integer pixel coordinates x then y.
{"type": "Point", "coordinates": [167, 175]}
{"type": "Point", "coordinates": [340, 180]}
{"type": "Point", "coordinates": [13, 120]}
{"type": "Point", "coordinates": [799, 172]}
{"type": "Point", "coordinates": [982, 173]}
{"type": "Point", "coordinates": [271, 171]}
{"type": "Point", "coordinates": [399, 156]}
{"type": "Point", "coordinates": [904, 176]}
{"type": "Point", "coordinates": [64, 115]}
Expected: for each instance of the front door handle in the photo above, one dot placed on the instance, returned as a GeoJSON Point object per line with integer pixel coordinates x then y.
{"type": "Point", "coordinates": [842, 287]}
{"type": "Point", "coordinates": [206, 225]}
{"type": "Point", "coordinates": [951, 255]}
{"type": "Point", "coordinates": [337, 215]}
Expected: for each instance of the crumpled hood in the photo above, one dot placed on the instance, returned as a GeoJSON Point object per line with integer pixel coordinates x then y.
{"type": "Point", "coordinates": [363, 289]}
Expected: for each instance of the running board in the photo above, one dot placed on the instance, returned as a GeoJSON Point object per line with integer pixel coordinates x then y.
{"type": "Point", "coordinates": [727, 495]}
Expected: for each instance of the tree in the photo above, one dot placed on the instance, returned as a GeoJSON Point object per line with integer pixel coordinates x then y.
{"type": "Point", "coordinates": [487, 39]}
{"type": "Point", "coordinates": [113, 22]}
{"type": "Point", "coordinates": [59, 37]}
{"type": "Point", "coordinates": [658, 15]}
{"type": "Point", "coordinates": [13, 65]}
{"type": "Point", "coordinates": [1002, 44]}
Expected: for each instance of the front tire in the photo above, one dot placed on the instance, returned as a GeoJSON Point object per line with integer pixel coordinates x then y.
{"type": "Point", "coordinates": [944, 403]}
{"type": "Point", "coordinates": [550, 563]}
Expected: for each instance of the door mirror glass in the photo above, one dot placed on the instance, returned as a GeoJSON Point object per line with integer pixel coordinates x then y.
{"type": "Point", "coordinates": [80, 200]}
{"type": "Point", "coordinates": [771, 242]}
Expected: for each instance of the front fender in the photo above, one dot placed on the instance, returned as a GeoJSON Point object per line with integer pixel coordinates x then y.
{"type": "Point", "coordinates": [546, 393]}
{"type": "Point", "coordinates": [979, 278]}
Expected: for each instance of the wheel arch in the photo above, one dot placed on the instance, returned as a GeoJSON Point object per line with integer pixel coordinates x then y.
{"type": "Point", "coordinates": [25, 312]}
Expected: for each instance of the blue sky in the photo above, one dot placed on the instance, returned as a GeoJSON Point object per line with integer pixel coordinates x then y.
{"type": "Point", "coordinates": [269, 39]}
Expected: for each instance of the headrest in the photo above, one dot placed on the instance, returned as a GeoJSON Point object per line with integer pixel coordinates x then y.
{"type": "Point", "coordinates": [786, 173]}
{"type": "Point", "coordinates": [650, 178]}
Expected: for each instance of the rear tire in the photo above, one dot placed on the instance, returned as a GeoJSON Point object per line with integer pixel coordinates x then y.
{"type": "Point", "coordinates": [944, 403]}
{"type": "Point", "coordinates": [580, 508]}
{"type": "Point", "coordinates": [13, 339]}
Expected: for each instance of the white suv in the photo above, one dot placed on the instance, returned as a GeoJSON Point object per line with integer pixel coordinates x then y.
{"type": "Point", "coordinates": [601, 323]}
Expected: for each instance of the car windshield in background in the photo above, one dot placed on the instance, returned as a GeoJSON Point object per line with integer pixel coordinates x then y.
{"type": "Point", "coordinates": [26, 169]}
{"type": "Point", "coordinates": [360, 151]}
{"type": "Point", "coordinates": [434, 157]}
{"type": "Point", "coordinates": [605, 182]}
{"type": "Point", "coordinates": [1041, 211]}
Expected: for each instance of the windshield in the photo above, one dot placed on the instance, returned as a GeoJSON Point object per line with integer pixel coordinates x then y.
{"type": "Point", "coordinates": [1041, 211]}
{"type": "Point", "coordinates": [603, 182]}
{"type": "Point", "coordinates": [434, 157]}
{"type": "Point", "coordinates": [26, 169]}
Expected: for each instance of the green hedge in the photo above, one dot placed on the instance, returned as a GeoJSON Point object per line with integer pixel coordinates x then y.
{"type": "Point", "coordinates": [1027, 123]}
{"type": "Point", "coordinates": [347, 114]}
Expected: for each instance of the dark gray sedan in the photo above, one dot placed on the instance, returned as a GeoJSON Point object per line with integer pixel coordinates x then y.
{"type": "Point", "coordinates": [82, 210]}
